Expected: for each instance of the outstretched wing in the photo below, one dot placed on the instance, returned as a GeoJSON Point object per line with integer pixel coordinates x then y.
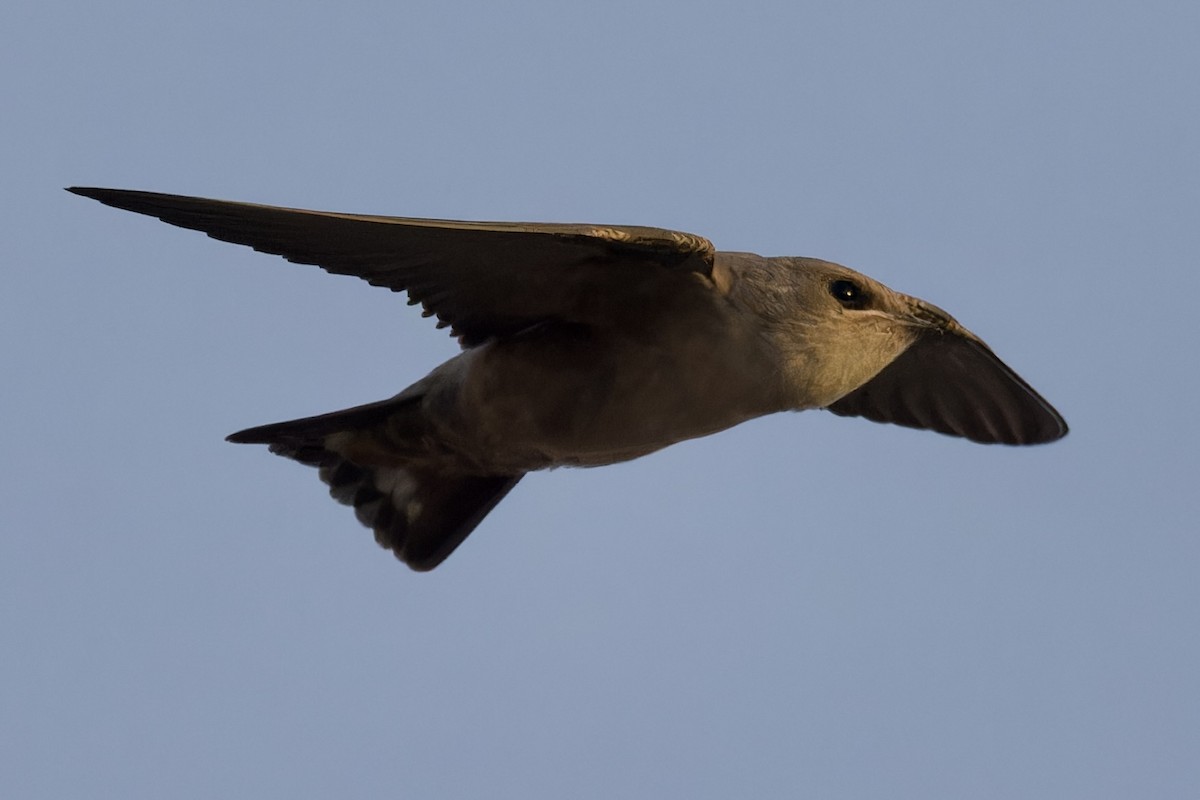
{"type": "Point", "coordinates": [484, 279]}
{"type": "Point", "coordinates": [954, 384]}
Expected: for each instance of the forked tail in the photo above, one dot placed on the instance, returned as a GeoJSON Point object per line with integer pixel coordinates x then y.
{"type": "Point", "coordinates": [419, 514]}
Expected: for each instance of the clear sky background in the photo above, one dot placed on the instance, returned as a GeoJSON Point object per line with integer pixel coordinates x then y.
{"type": "Point", "coordinates": [803, 606]}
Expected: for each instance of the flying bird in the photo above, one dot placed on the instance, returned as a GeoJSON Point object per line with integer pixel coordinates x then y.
{"type": "Point", "coordinates": [586, 345]}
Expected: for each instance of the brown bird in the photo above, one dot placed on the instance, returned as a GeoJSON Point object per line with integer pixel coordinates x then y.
{"type": "Point", "coordinates": [586, 345]}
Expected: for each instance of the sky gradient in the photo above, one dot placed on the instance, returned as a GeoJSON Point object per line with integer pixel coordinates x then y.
{"type": "Point", "coordinates": [804, 605]}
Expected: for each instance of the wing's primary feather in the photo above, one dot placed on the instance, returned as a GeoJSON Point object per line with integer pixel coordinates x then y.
{"type": "Point", "coordinates": [956, 385]}
{"type": "Point", "coordinates": [484, 279]}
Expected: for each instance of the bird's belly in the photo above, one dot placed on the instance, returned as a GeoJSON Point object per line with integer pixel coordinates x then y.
{"type": "Point", "coordinates": [584, 403]}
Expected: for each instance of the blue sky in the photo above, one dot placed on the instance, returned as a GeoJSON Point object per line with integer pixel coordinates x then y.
{"type": "Point", "coordinates": [801, 606]}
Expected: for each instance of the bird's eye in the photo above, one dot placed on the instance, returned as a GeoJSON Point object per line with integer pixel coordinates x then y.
{"type": "Point", "coordinates": [848, 293]}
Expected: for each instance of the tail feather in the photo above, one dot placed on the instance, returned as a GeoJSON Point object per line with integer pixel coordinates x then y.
{"type": "Point", "coordinates": [420, 514]}
{"type": "Point", "coordinates": [311, 430]}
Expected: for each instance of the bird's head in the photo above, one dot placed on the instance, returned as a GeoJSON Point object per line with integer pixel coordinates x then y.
{"type": "Point", "coordinates": [834, 328]}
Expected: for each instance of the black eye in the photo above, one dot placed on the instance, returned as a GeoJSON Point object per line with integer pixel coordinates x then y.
{"type": "Point", "coordinates": [848, 293]}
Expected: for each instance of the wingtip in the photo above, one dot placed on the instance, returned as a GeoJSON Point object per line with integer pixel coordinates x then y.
{"type": "Point", "coordinates": [243, 437]}
{"type": "Point", "coordinates": [1061, 432]}
{"type": "Point", "coordinates": [1051, 427]}
{"type": "Point", "coordinates": [93, 192]}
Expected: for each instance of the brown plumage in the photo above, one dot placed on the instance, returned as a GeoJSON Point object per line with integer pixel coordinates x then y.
{"type": "Point", "coordinates": [587, 345]}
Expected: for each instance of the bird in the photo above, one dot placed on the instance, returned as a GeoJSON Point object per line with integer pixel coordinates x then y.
{"type": "Point", "coordinates": [587, 345]}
